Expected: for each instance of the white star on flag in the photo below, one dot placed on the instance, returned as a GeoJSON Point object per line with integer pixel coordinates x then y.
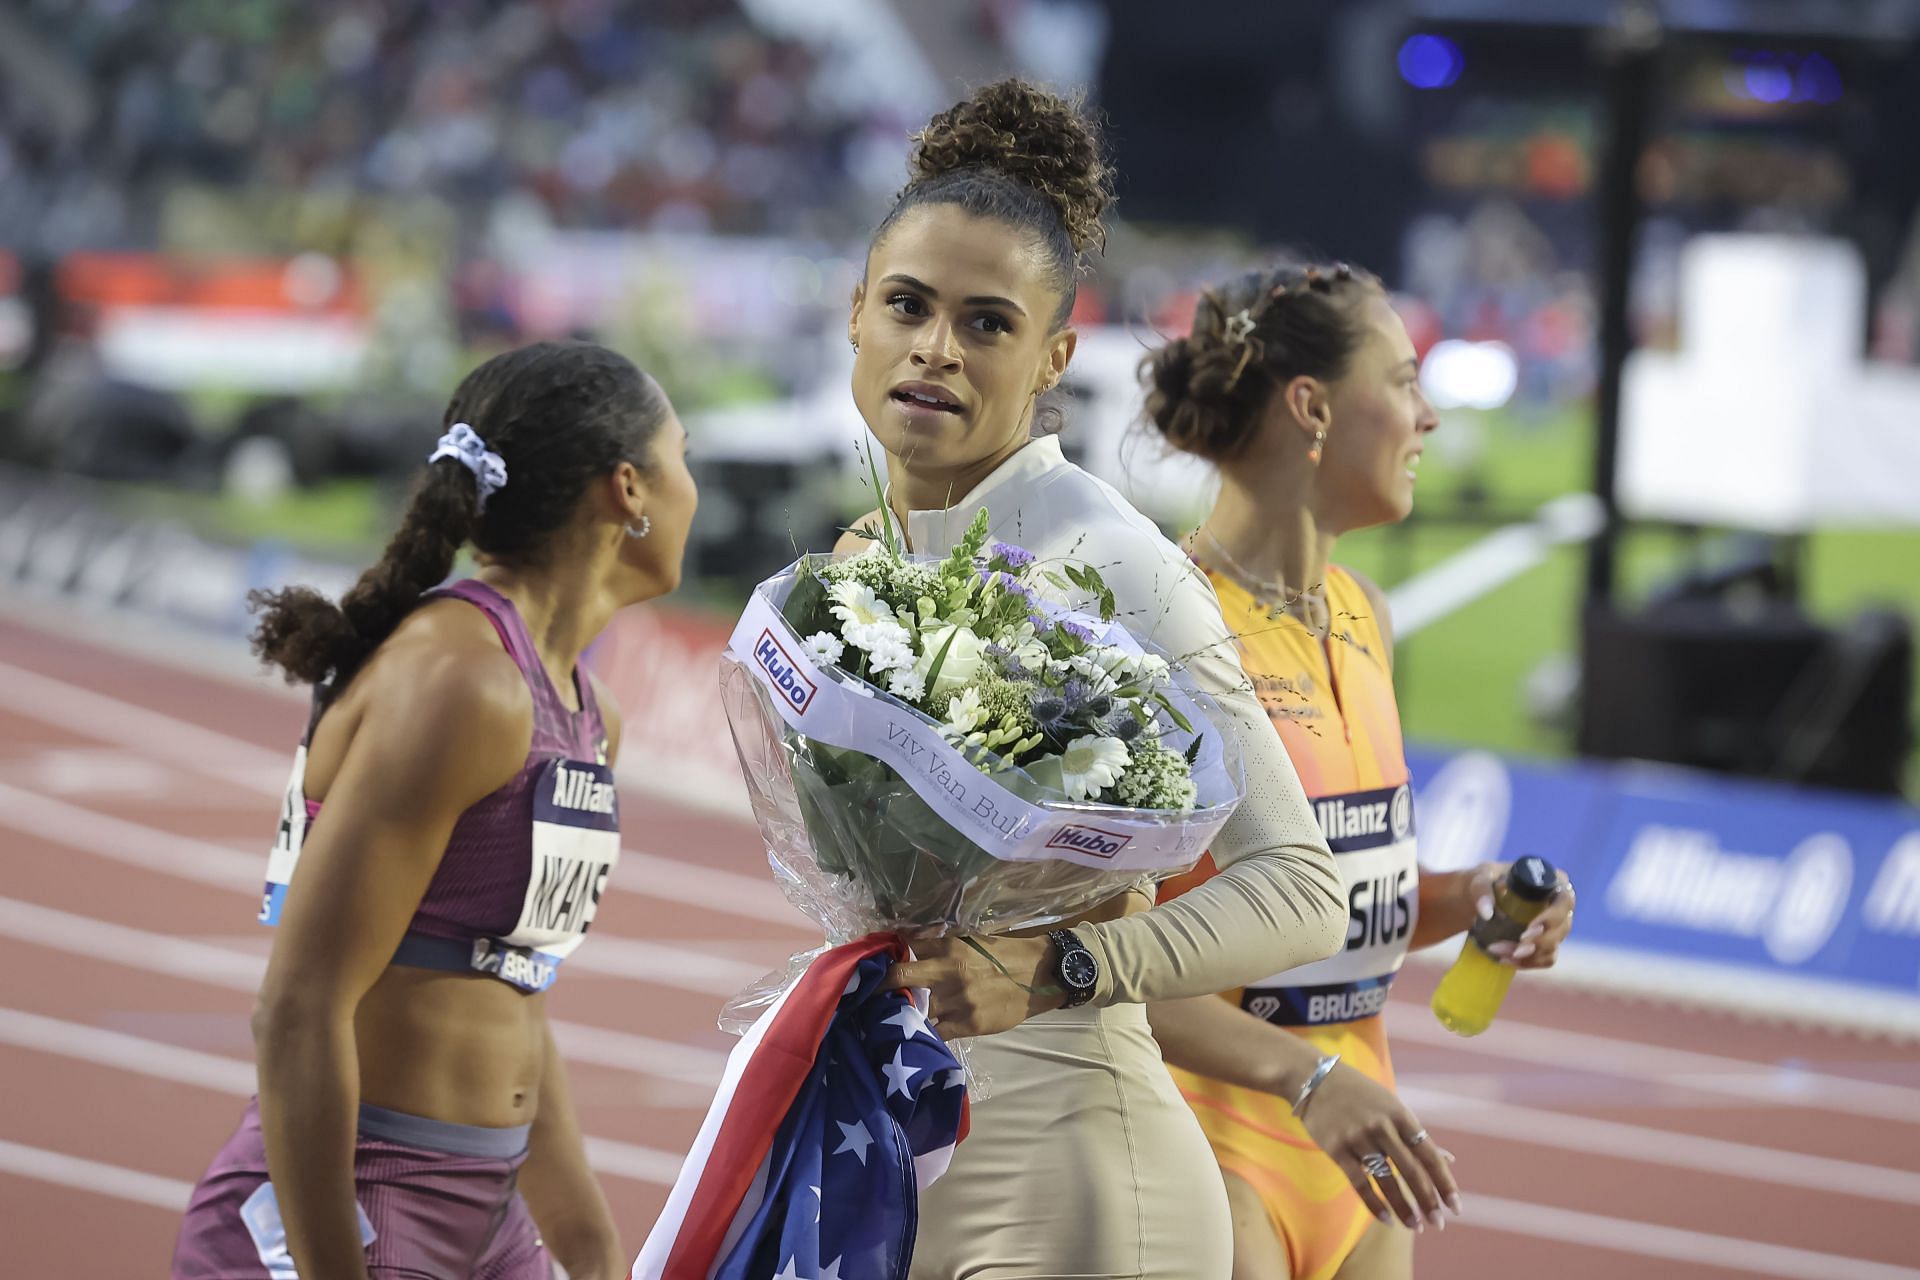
{"type": "Point", "coordinates": [788, 1272]}
{"type": "Point", "coordinates": [832, 1272]}
{"type": "Point", "coordinates": [898, 1073]}
{"type": "Point", "coordinates": [956, 1078]}
{"type": "Point", "coordinates": [855, 1138]}
{"type": "Point", "coordinates": [816, 1208]}
{"type": "Point", "coordinates": [910, 1020]}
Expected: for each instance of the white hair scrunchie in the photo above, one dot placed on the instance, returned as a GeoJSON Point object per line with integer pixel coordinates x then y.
{"type": "Point", "coordinates": [463, 444]}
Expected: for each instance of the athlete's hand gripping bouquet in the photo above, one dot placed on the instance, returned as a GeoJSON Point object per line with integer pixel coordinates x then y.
{"type": "Point", "coordinates": [936, 745]}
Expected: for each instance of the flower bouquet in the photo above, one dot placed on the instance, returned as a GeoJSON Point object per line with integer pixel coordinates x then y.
{"type": "Point", "coordinates": [963, 743]}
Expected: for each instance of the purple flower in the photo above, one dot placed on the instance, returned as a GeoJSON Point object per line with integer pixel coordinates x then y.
{"type": "Point", "coordinates": [1013, 557]}
{"type": "Point", "coordinates": [1079, 632]}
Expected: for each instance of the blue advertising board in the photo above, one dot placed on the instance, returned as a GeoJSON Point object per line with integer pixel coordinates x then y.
{"type": "Point", "coordinates": [1766, 877]}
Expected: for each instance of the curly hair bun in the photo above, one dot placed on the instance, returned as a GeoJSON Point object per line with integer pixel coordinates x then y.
{"type": "Point", "coordinates": [1034, 137]}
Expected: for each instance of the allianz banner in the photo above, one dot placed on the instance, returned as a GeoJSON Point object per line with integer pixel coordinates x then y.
{"type": "Point", "coordinates": [1781, 880]}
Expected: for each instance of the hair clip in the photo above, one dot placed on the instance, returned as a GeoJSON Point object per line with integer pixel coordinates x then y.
{"type": "Point", "coordinates": [1239, 326]}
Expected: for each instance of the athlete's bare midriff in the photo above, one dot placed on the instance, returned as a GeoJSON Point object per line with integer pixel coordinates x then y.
{"type": "Point", "coordinates": [463, 1048]}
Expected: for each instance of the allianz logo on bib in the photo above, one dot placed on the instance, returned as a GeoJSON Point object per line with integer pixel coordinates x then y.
{"type": "Point", "coordinates": [1681, 876]}
{"type": "Point", "coordinates": [1082, 839]}
{"type": "Point", "coordinates": [581, 790]}
{"type": "Point", "coordinates": [781, 672]}
{"type": "Point", "coordinates": [1342, 820]}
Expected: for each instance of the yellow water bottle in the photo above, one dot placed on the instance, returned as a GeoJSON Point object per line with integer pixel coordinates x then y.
{"type": "Point", "coordinates": [1471, 991]}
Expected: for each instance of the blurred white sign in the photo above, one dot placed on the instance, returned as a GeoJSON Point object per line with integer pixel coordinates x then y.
{"type": "Point", "coordinates": [1768, 417]}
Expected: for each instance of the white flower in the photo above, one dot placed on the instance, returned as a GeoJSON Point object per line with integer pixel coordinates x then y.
{"type": "Point", "coordinates": [891, 653]}
{"type": "Point", "coordinates": [855, 605]}
{"type": "Point", "coordinates": [906, 685]}
{"type": "Point", "coordinates": [880, 634]}
{"type": "Point", "coordinates": [963, 657]}
{"type": "Point", "coordinates": [1096, 674]}
{"type": "Point", "coordinates": [1091, 764]}
{"type": "Point", "coordinates": [1149, 666]}
{"type": "Point", "coordinates": [964, 713]}
{"type": "Point", "coordinates": [823, 647]}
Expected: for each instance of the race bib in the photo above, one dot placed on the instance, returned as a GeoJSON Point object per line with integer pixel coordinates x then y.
{"type": "Point", "coordinates": [576, 843]}
{"type": "Point", "coordinates": [261, 1216]}
{"type": "Point", "coordinates": [1372, 838]}
{"type": "Point", "coordinates": [286, 841]}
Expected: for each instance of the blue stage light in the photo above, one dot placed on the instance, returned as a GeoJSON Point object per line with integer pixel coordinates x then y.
{"type": "Point", "coordinates": [1430, 61]}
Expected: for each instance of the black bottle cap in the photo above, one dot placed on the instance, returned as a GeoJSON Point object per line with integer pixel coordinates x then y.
{"type": "Point", "coordinates": [1534, 879]}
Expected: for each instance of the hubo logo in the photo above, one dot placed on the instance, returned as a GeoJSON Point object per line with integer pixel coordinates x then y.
{"type": "Point", "coordinates": [779, 666]}
{"type": "Point", "coordinates": [1681, 876]}
{"type": "Point", "coordinates": [1464, 810]}
{"type": "Point", "coordinates": [1400, 812]}
{"type": "Point", "coordinates": [1080, 839]}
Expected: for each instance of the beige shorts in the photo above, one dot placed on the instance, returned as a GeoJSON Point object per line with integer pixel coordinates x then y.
{"type": "Point", "coordinates": [1083, 1161]}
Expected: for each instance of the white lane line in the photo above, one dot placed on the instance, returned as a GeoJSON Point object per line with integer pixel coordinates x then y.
{"type": "Point", "coordinates": [136, 1054]}
{"type": "Point", "coordinates": [1624, 1235]}
{"type": "Point", "coordinates": [1563, 1131]}
{"type": "Point", "coordinates": [90, 1175]}
{"type": "Point", "coordinates": [656, 1167]}
{"type": "Point", "coordinates": [641, 1055]}
{"type": "Point", "coordinates": [183, 743]}
{"type": "Point", "coordinates": [51, 927]}
{"type": "Point", "coordinates": [695, 1065]}
{"type": "Point", "coordinates": [133, 843]}
{"type": "Point", "coordinates": [58, 930]}
{"type": "Point", "coordinates": [211, 862]}
{"type": "Point", "coordinates": [696, 886]}
{"type": "Point", "coordinates": [238, 971]}
{"type": "Point", "coordinates": [1772, 1085]}
{"type": "Point", "coordinates": [156, 1058]}
{"type": "Point", "coordinates": [625, 1160]}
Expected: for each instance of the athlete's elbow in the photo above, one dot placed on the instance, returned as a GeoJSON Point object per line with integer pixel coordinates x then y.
{"type": "Point", "coordinates": [288, 1022]}
{"type": "Point", "coordinates": [1324, 907]}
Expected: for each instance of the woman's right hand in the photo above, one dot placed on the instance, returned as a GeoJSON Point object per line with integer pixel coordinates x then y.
{"type": "Point", "coordinates": [1352, 1117]}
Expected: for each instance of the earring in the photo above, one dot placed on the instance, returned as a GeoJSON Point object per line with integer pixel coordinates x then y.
{"type": "Point", "coordinates": [1319, 438]}
{"type": "Point", "coordinates": [855, 345]}
{"type": "Point", "coordinates": [646, 527]}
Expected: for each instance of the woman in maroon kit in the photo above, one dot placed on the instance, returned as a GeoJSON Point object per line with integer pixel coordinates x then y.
{"type": "Point", "coordinates": [446, 836]}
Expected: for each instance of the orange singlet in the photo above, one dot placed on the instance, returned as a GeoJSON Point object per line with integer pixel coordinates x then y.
{"type": "Point", "coordinates": [1332, 703]}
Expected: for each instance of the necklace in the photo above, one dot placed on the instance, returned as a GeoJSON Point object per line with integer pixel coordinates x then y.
{"type": "Point", "coordinates": [1277, 598]}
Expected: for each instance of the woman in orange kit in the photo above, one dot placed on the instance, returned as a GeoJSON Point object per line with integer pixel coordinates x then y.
{"type": "Point", "coordinates": [1302, 387]}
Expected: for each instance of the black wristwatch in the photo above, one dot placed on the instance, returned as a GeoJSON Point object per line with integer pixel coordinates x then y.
{"type": "Point", "coordinates": [1078, 971]}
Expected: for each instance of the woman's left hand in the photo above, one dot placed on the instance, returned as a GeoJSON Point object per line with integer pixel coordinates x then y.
{"type": "Point", "coordinates": [589, 1254]}
{"type": "Point", "coordinates": [1539, 946]}
{"type": "Point", "coordinates": [968, 994]}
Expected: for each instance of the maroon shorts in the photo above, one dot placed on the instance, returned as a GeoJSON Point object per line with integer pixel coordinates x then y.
{"type": "Point", "coordinates": [436, 1200]}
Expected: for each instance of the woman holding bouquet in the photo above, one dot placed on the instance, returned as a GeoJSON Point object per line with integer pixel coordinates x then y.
{"type": "Point", "coordinates": [1083, 1161]}
{"type": "Point", "coordinates": [448, 829]}
{"type": "Point", "coordinates": [1302, 387]}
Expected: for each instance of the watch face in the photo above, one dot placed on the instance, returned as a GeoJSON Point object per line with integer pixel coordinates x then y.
{"type": "Point", "coordinates": [1079, 970]}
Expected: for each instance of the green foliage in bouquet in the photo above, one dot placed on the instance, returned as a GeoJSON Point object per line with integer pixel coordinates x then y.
{"type": "Point", "coordinates": [1039, 702]}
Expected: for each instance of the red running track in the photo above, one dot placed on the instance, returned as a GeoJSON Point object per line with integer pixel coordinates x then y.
{"type": "Point", "coordinates": [1597, 1137]}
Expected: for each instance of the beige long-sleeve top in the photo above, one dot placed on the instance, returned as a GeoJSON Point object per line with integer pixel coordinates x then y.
{"type": "Point", "coordinates": [1277, 901]}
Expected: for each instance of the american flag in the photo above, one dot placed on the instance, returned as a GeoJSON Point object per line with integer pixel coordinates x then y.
{"type": "Point", "coordinates": [836, 1108]}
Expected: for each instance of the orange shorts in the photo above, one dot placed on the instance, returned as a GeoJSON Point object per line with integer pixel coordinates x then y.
{"type": "Point", "coordinates": [1312, 1206]}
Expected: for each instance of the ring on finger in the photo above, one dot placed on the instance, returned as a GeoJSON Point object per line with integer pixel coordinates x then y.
{"type": "Point", "coordinates": [1417, 1138]}
{"type": "Point", "coordinates": [1377, 1166]}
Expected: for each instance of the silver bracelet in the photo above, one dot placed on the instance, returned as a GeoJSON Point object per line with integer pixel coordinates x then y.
{"type": "Point", "coordinates": [1321, 1070]}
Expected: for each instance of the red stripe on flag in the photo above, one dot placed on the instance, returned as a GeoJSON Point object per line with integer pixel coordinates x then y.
{"type": "Point", "coordinates": [761, 1099]}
